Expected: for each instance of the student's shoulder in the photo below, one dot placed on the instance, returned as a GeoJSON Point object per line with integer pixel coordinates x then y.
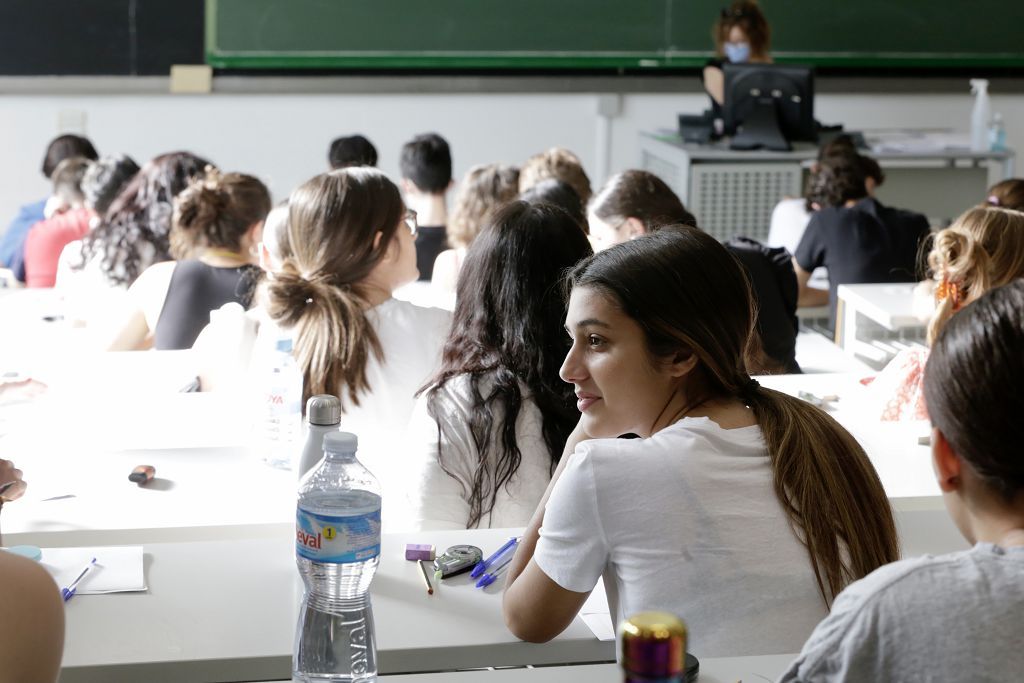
{"type": "Point", "coordinates": [421, 317]}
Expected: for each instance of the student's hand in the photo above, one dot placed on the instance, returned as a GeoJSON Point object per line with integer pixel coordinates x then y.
{"type": "Point", "coordinates": [10, 473]}
{"type": "Point", "coordinates": [53, 206]}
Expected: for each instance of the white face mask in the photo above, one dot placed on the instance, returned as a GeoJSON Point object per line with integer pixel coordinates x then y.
{"type": "Point", "coordinates": [737, 53]}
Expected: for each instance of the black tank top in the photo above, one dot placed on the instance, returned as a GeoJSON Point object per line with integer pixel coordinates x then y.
{"type": "Point", "coordinates": [195, 290]}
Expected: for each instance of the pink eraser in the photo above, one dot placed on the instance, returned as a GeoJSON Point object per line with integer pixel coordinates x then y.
{"type": "Point", "coordinates": [417, 551]}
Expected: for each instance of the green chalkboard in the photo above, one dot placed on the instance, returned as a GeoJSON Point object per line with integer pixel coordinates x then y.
{"type": "Point", "coordinates": [653, 34]}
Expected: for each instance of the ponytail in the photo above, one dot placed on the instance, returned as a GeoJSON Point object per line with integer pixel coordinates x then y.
{"type": "Point", "coordinates": [333, 339]}
{"type": "Point", "coordinates": [828, 489]}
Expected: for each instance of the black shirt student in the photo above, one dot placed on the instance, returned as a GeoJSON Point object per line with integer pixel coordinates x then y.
{"type": "Point", "coordinates": [865, 242]}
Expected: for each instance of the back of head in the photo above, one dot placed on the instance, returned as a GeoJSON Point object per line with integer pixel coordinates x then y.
{"type": "Point", "coordinates": [508, 322]}
{"type": "Point", "coordinates": [560, 194]}
{"type": "Point", "coordinates": [105, 179]}
{"type": "Point", "coordinates": [217, 211]}
{"type": "Point", "coordinates": [641, 195]}
{"type": "Point", "coordinates": [981, 250]}
{"type": "Point", "coordinates": [838, 178]}
{"type": "Point", "coordinates": [65, 147]}
{"type": "Point", "coordinates": [320, 290]}
{"type": "Point", "coordinates": [135, 231]}
{"type": "Point", "coordinates": [690, 295]}
{"type": "Point", "coordinates": [1009, 194]}
{"type": "Point", "coordinates": [747, 15]}
{"type": "Point", "coordinates": [484, 188]}
{"type": "Point", "coordinates": [973, 384]}
{"type": "Point", "coordinates": [351, 150]}
{"type": "Point", "coordinates": [427, 162]}
{"type": "Point", "coordinates": [67, 180]}
{"type": "Point", "coordinates": [557, 163]}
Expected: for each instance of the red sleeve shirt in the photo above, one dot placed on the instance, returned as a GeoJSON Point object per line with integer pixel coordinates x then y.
{"type": "Point", "coordinates": [47, 239]}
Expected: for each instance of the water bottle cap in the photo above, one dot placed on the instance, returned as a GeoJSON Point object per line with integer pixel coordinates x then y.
{"type": "Point", "coordinates": [323, 409]}
{"type": "Point", "coordinates": [341, 442]}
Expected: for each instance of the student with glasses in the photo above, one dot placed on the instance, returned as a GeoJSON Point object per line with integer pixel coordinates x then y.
{"type": "Point", "coordinates": [351, 242]}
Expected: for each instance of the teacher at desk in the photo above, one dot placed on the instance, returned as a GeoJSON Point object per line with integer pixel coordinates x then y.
{"type": "Point", "coordinates": [742, 36]}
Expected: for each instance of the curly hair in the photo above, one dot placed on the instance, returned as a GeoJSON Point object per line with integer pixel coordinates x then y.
{"type": "Point", "coordinates": [557, 163]}
{"type": "Point", "coordinates": [484, 188]}
{"type": "Point", "coordinates": [982, 249]}
{"type": "Point", "coordinates": [837, 179]}
{"type": "Point", "coordinates": [507, 329]}
{"type": "Point", "coordinates": [134, 233]}
{"type": "Point", "coordinates": [748, 17]}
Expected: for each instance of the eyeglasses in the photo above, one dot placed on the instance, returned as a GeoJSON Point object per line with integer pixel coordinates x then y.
{"type": "Point", "coordinates": [410, 221]}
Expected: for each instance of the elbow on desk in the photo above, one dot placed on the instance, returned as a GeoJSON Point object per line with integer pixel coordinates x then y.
{"type": "Point", "coordinates": [527, 626]}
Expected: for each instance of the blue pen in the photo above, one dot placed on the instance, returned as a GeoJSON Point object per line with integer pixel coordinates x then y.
{"type": "Point", "coordinates": [481, 567]}
{"type": "Point", "coordinates": [69, 592]}
{"type": "Point", "coordinates": [492, 576]}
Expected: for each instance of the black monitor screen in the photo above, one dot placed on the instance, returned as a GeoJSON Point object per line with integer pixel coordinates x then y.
{"type": "Point", "coordinates": [788, 90]}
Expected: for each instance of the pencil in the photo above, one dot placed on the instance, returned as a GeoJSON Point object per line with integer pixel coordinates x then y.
{"type": "Point", "coordinates": [426, 577]}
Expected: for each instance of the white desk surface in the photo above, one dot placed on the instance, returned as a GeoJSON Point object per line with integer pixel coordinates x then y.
{"type": "Point", "coordinates": [889, 304]}
{"type": "Point", "coordinates": [816, 354]}
{"type": "Point", "coordinates": [226, 611]}
{"type": "Point", "coordinates": [903, 464]}
{"type": "Point", "coordinates": [717, 670]}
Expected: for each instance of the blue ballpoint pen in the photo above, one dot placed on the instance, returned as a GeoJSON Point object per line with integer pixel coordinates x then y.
{"type": "Point", "coordinates": [69, 592]}
{"type": "Point", "coordinates": [492, 576]}
{"type": "Point", "coordinates": [483, 566]}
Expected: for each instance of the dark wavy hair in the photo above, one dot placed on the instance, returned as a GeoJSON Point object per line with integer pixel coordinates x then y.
{"type": "Point", "coordinates": [508, 330]}
{"type": "Point", "coordinates": [141, 215]}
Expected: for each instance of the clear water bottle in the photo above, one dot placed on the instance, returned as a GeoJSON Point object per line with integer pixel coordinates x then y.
{"type": "Point", "coordinates": [337, 548]}
{"type": "Point", "coordinates": [280, 429]}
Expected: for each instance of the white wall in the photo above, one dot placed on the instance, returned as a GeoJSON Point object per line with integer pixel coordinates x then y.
{"type": "Point", "coordinates": [283, 138]}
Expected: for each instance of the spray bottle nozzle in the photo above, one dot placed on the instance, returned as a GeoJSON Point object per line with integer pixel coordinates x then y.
{"type": "Point", "coordinates": [979, 85]}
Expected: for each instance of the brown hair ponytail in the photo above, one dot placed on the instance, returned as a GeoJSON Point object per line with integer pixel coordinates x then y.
{"type": "Point", "coordinates": [333, 222]}
{"type": "Point", "coordinates": [687, 292]}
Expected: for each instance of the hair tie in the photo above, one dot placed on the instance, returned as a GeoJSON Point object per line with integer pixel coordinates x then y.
{"type": "Point", "coordinates": [750, 387]}
{"type": "Point", "coordinates": [948, 290]}
{"type": "Point", "coordinates": [993, 200]}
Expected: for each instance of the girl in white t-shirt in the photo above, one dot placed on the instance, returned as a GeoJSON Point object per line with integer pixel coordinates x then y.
{"type": "Point", "coordinates": [741, 509]}
{"type": "Point", "coordinates": [350, 244]}
{"type": "Point", "coordinates": [488, 433]}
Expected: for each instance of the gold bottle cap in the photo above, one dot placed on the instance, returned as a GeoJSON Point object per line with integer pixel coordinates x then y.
{"type": "Point", "coordinates": [653, 644]}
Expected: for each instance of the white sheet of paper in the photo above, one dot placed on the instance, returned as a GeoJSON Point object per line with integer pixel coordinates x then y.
{"type": "Point", "coordinates": [119, 569]}
{"type": "Point", "coordinates": [596, 615]}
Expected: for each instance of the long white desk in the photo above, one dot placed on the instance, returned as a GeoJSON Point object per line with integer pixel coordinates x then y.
{"type": "Point", "coordinates": [226, 611]}
{"type": "Point", "coordinates": [874, 321]}
{"type": "Point", "coordinates": [712, 670]}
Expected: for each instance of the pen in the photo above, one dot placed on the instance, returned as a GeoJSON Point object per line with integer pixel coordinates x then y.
{"type": "Point", "coordinates": [426, 578]}
{"type": "Point", "coordinates": [490, 577]}
{"type": "Point", "coordinates": [69, 592]}
{"type": "Point", "coordinates": [482, 567]}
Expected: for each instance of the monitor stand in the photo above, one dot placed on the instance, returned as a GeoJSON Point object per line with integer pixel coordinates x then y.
{"type": "Point", "coordinates": [760, 129]}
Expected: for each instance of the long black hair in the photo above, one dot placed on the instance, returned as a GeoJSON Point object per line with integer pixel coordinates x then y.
{"type": "Point", "coordinates": [507, 334]}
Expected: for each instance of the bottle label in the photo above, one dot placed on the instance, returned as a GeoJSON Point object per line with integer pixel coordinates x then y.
{"type": "Point", "coordinates": [326, 538]}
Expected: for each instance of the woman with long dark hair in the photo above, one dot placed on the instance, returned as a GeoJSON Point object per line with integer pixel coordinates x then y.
{"type": "Point", "coordinates": [490, 429]}
{"type": "Point", "coordinates": [740, 508]}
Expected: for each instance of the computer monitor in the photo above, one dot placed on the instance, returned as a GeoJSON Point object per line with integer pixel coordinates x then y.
{"type": "Point", "coordinates": [768, 105]}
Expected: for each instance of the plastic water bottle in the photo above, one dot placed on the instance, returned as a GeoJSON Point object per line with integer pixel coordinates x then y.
{"type": "Point", "coordinates": [281, 424]}
{"type": "Point", "coordinates": [997, 134]}
{"type": "Point", "coordinates": [980, 115]}
{"type": "Point", "coordinates": [323, 416]}
{"type": "Point", "coordinates": [337, 548]}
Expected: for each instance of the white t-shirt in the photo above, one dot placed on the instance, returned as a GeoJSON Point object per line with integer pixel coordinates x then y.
{"type": "Point", "coordinates": [440, 500]}
{"type": "Point", "coordinates": [788, 224]}
{"type": "Point", "coordinates": [687, 522]}
{"type": "Point", "coordinates": [411, 338]}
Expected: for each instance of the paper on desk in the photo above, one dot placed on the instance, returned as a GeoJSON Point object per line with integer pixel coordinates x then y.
{"type": "Point", "coordinates": [596, 615]}
{"type": "Point", "coordinates": [118, 568]}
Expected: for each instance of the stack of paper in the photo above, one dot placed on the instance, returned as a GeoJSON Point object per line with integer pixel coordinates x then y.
{"type": "Point", "coordinates": [118, 568]}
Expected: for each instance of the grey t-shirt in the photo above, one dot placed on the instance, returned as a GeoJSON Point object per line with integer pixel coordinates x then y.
{"type": "Point", "coordinates": [956, 617]}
